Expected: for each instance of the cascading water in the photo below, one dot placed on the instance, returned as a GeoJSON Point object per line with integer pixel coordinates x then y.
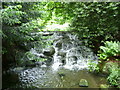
{"type": "Point", "coordinates": [66, 57]}
{"type": "Point", "coordinates": [70, 53]}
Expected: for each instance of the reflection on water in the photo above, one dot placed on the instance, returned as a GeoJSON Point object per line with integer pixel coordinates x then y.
{"type": "Point", "coordinates": [67, 59]}
{"type": "Point", "coordinates": [45, 77]}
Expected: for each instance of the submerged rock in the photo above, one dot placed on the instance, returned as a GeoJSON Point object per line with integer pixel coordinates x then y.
{"type": "Point", "coordinates": [83, 83]}
{"type": "Point", "coordinates": [61, 74]}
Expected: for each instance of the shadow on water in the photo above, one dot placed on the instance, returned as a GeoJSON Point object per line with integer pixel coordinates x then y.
{"type": "Point", "coordinates": [68, 60]}
{"type": "Point", "coordinates": [45, 77]}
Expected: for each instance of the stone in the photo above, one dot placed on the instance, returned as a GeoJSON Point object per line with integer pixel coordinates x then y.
{"type": "Point", "coordinates": [59, 44]}
{"type": "Point", "coordinates": [47, 34]}
{"type": "Point", "coordinates": [104, 87]}
{"type": "Point", "coordinates": [49, 52]}
{"type": "Point", "coordinates": [61, 74]}
{"type": "Point", "coordinates": [63, 61]}
{"type": "Point", "coordinates": [60, 53]}
{"type": "Point", "coordinates": [18, 69]}
{"type": "Point", "coordinates": [72, 59]}
{"type": "Point", "coordinates": [83, 83]}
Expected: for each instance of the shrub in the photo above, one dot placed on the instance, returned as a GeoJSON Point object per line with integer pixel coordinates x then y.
{"type": "Point", "coordinates": [110, 49]}
{"type": "Point", "coordinates": [114, 77]}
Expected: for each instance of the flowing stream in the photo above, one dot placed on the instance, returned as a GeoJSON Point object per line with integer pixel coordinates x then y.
{"type": "Point", "coordinates": [66, 63]}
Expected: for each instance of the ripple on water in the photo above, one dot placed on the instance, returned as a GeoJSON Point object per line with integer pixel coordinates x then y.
{"type": "Point", "coordinates": [38, 77]}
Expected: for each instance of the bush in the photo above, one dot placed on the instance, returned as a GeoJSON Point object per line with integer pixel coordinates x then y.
{"type": "Point", "coordinates": [107, 52]}
{"type": "Point", "coordinates": [114, 77]}
{"type": "Point", "coordinates": [93, 67]}
{"type": "Point", "coordinates": [110, 49]}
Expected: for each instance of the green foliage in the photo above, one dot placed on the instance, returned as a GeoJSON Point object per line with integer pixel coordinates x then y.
{"type": "Point", "coordinates": [4, 51]}
{"type": "Point", "coordinates": [95, 19]}
{"type": "Point", "coordinates": [93, 22]}
{"type": "Point", "coordinates": [18, 21]}
{"type": "Point", "coordinates": [114, 76]}
{"type": "Point", "coordinates": [110, 49]}
{"type": "Point", "coordinates": [12, 14]}
{"type": "Point", "coordinates": [93, 66]}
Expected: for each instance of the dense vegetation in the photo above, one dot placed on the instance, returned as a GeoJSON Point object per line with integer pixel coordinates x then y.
{"type": "Point", "coordinates": [96, 24]}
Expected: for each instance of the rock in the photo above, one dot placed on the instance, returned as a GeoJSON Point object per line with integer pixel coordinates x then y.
{"type": "Point", "coordinates": [49, 52]}
{"type": "Point", "coordinates": [60, 53]}
{"type": "Point", "coordinates": [83, 83]}
{"type": "Point", "coordinates": [39, 63]}
{"type": "Point", "coordinates": [72, 59]}
{"type": "Point", "coordinates": [104, 86]}
{"type": "Point", "coordinates": [32, 63]}
{"type": "Point", "coordinates": [63, 61]}
{"type": "Point", "coordinates": [46, 53]}
{"type": "Point", "coordinates": [47, 34]}
{"type": "Point", "coordinates": [18, 69]}
{"type": "Point", "coordinates": [61, 74]}
{"type": "Point", "coordinates": [59, 44]}
{"type": "Point", "coordinates": [48, 61]}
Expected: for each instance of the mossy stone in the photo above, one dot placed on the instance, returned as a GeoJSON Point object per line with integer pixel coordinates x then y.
{"type": "Point", "coordinates": [49, 51]}
{"type": "Point", "coordinates": [83, 83]}
{"type": "Point", "coordinates": [61, 74]}
{"type": "Point", "coordinates": [104, 86]}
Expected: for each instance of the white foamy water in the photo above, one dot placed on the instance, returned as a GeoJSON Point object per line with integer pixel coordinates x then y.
{"type": "Point", "coordinates": [70, 53]}
{"type": "Point", "coordinates": [76, 55]}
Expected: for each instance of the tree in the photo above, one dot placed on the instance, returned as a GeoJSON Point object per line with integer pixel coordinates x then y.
{"type": "Point", "coordinates": [97, 22]}
{"type": "Point", "coordinates": [93, 22]}
{"type": "Point", "coordinates": [18, 21]}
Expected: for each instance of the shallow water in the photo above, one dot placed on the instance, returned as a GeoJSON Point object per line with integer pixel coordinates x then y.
{"type": "Point", "coordinates": [45, 77]}
{"type": "Point", "coordinates": [67, 66]}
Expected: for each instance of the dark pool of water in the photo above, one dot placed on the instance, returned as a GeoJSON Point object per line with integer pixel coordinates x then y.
{"type": "Point", "coordinates": [45, 77]}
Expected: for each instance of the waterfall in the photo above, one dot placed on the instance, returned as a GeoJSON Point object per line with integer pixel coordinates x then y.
{"type": "Point", "coordinates": [70, 53]}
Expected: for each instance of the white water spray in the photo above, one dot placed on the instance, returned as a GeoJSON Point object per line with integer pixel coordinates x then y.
{"type": "Point", "coordinates": [76, 55]}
